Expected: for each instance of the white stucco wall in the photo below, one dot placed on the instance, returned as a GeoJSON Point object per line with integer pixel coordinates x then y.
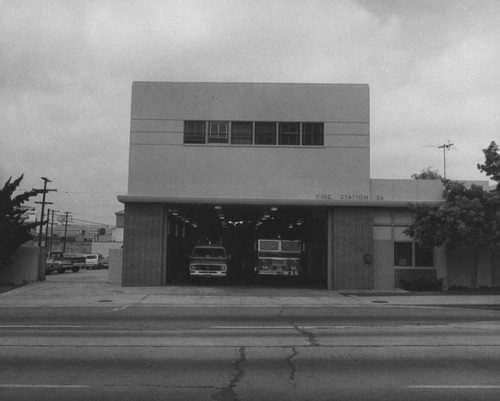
{"type": "Point", "coordinates": [161, 165]}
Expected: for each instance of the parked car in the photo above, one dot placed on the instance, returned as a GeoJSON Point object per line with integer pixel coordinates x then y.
{"type": "Point", "coordinates": [60, 262]}
{"type": "Point", "coordinates": [94, 261]}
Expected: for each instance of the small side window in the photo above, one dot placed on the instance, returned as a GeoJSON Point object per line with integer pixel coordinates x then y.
{"type": "Point", "coordinates": [403, 255]}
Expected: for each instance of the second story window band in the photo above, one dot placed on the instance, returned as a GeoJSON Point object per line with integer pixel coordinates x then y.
{"type": "Point", "coordinates": [254, 133]}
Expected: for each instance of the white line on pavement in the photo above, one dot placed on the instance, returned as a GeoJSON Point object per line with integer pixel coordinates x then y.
{"type": "Point", "coordinates": [117, 309]}
{"type": "Point", "coordinates": [459, 387]}
{"type": "Point", "coordinates": [252, 327]}
{"type": "Point", "coordinates": [43, 326]}
{"type": "Point", "coordinates": [43, 386]}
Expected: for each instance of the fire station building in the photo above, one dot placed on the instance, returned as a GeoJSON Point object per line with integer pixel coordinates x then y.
{"type": "Point", "coordinates": [233, 163]}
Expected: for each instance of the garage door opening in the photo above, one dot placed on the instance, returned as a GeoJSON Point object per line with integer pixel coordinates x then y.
{"type": "Point", "coordinates": [239, 228]}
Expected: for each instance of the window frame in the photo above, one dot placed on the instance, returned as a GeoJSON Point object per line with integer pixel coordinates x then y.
{"type": "Point", "coordinates": [413, 259]}
{"type": "Point", "coordinates": [242, 123]}
{"type": "Point", "coordinates": [268, 135]}
{"type": "Point", "coordinates": [196, 135]}
{"type": "Point", "coordinates": [398, 253]}
{"type": "Point", "coordinates": [217, 135]}
{"type": "Point", "coordinates": [285, 135]}
{"type": "Point", "coordinates": [309, 138]}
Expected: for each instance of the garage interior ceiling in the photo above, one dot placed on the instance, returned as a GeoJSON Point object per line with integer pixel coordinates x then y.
{"type": "Point", "coordinates": [238, 215]}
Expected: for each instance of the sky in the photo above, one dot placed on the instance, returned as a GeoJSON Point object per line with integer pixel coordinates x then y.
{"type": "Point", "coordinates": [67, 67]}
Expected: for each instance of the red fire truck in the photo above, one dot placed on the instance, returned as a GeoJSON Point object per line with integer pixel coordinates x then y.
{"type": "Point", "coordinates": [277, 257]}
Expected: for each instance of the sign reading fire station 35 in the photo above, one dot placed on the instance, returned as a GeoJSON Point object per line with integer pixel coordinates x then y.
{"type": "Point", "coordinates": [355, 197]}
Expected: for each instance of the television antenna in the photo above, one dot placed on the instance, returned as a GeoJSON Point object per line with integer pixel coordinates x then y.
{"type": "Point", "coordinates": [445, 147]}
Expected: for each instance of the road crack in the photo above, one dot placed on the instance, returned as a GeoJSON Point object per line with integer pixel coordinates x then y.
{"type": "Point", "coordinates": [229, 393]}
{"type": "Point", "coordinates": [293, 368]}
{"type": "Point", "coordinates": [311, 338]}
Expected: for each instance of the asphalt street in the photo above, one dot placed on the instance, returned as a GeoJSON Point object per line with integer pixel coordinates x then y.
{"type": "Point", "coordinates": [136, 351]}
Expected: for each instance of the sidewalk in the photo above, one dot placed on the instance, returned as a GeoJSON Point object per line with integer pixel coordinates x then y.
{"type": "Point", "coordinates": [63, 290]}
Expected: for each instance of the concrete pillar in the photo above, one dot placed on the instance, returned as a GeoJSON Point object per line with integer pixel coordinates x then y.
{"type": "Point", "coordinates": [144, 245]}
{"type": "Point", "coordinates": [352, 234]}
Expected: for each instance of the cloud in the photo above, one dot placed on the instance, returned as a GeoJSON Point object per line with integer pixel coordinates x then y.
{"type": "Point", "coordinates": [40, 44]}
{"type": "Point", "coordinates": [67, 67]}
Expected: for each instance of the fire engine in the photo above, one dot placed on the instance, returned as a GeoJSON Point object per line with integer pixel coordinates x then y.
{"type": "Point", "coordinates": [277, 257]}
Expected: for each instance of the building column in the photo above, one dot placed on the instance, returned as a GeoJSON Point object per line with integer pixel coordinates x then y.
{"type": "Point", "coordinates": [350, 241]}
{"type": "Point", "coordinates": [144, 245]}
{"type": "Point", "coordinates": [329, 247]}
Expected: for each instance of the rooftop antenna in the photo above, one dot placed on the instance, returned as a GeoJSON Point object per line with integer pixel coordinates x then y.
{"type": "Point", "coordinates": [445, 147]}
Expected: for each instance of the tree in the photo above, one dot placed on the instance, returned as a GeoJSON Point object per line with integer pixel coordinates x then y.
{"type": "Point", "coordinates": [14, 230]}
{"type": "Point", "coordinates": [491, 164]}
{"type": "Point", "coordinates": [468, 216]}
{"type": "Point", "coordinates": [427, 174]}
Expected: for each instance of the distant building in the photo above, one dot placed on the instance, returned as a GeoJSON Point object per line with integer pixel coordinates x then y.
{"type": "Point", "coordinates": [82, 232]}
{"type": "Point", "coordinates": [117, 232]}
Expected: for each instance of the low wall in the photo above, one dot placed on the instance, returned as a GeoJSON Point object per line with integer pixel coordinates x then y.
{"type": "Point", "coordinates": [115, 266]}
{"type": "Point", "coordinates": [28, 267]}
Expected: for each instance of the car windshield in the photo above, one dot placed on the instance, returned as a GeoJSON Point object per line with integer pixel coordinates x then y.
{"type": "Point", "coordinates": [92, 257]}
{"type": "Point", "coordinates": [201, 252]}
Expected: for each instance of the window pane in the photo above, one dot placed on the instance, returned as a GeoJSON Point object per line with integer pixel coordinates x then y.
{"type": "Point", "coordinates": [218, 132]}
{"type": "Point", "coordinates": [241, 133]}
{"type": "Point", "coordinates": [194, 131]}
{"type": "Point", "coordinates": [403, 254]}
{"type": "Point", "coordinates": [265, 133]}
{"type": "Point", "coordinates": [313, 134]}
{"type": "Point", "coordinates": [424, 257]}
{"type": "Point", "coordinates": [289, 134]}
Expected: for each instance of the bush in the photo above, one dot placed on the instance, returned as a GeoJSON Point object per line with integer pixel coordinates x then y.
{"type": "Point", "coordinates": [459, 288]}
{"type": "Point", "coordinates": [421, 284]}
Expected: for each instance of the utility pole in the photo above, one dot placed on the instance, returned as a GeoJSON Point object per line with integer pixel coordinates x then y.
{"type": "Point", "coordinates": [47, 230]}
{"type": "Point", "coordinates": [44, 191]}
{"type": "Point", "coordinates": [52, 229]}
{"type": "Point", "coordinates": [445, 147]}
{"type": "Point", "coordinates": [65, 230]}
